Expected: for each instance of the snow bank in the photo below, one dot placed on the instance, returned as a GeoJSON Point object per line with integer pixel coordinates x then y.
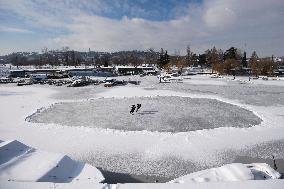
{"type": "Point", "coordinates": [252, 184]}
{"type": "Point", "coordinates": [262, 171]}
{"type": "Point", "coordinates": [231, 172]}
{"type": "Point", "coordinates": [19, 162]}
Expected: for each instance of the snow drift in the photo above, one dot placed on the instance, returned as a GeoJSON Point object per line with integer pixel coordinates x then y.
{"type": "Point", "coordinates": [231, 172]}
{"type": "Point", "coordinates": [19, 162]}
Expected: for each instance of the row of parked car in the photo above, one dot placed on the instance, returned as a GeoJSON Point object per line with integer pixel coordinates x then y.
{"type": "Point", "coordinates": [109, 82]}
{"type": "Point", "coordinates": [74, 81]}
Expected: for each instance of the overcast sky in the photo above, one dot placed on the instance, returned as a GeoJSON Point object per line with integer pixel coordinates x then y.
{"type": "Point", "coordinates": [114, 25]}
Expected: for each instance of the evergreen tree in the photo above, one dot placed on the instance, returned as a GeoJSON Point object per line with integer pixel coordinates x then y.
{"type": "Point", "coordinates": [166, 58]}
{"type": "Point", "coordinates": [194, 59]}
{"type": "Point", "coordinates": [105, 63]}
{"type": "Point", "coordinates": [163, 60]}
{"type": "Point", "coordinates": [202, 59]}
{"type": "Point", "coordinates": [231, 53]}
{"type": "Point", "coordinates": [244, 60]}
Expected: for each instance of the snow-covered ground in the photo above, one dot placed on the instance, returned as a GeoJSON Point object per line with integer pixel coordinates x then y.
{"type": "Point", "coordinates": [22, 163]}
{"type": "Point", "coordinates": [231, 172]}
{"type": "Point", "coordinates": [252, 184]}
{"type": "Point", "coordinates": [142, 152]}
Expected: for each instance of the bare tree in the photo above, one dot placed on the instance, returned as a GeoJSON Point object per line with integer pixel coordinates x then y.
{"type": "Point", "coordinates": [253, 63]}
{"type": "Point", "coordinates": [66, 58]}
{"type": "Point", "coordinates": [151, 56]}
{"type": "Point", "coordinates": [188, 57]}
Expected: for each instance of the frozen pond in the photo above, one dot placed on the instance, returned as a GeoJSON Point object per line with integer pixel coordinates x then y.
{"type": "Point", "coordinates": [162, 114]}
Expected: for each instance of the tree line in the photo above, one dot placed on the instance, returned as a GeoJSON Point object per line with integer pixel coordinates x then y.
{"type": "Point", "coordinates": [223, 62]}
{"type": "Point", "coordinates": [68, 57]}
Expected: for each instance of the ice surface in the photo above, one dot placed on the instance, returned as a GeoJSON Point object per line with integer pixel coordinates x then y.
{"type": "Point", "coordinates": [255, 92]}
{"type": "Point", "coordinates": [163, 114]}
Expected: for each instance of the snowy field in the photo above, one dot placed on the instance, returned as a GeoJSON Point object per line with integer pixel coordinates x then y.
{"type": "Point", "coordinates": [226, 119]}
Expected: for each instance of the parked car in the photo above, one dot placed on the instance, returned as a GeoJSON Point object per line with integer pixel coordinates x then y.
{"type": "Point", "coordinates": [38, 77]}
{"type": "Point", "coordinates": [78, 83]}
{"type": "Point", "coordinates": [120, 82]}
{"type": "Point", "coordinates": [263, 77]}
{"type": "Point", "coordinates": [134, 82]}
{"type": "Point", "coordinates": [109, 82]}
{"type": "Point", "coordinates": [26, 81]}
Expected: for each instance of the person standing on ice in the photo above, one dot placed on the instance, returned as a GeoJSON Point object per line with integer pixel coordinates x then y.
{"type": "Point", "coordinates": [132, 109]}
{"type": "Point", "coordinates": [138, 107]}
